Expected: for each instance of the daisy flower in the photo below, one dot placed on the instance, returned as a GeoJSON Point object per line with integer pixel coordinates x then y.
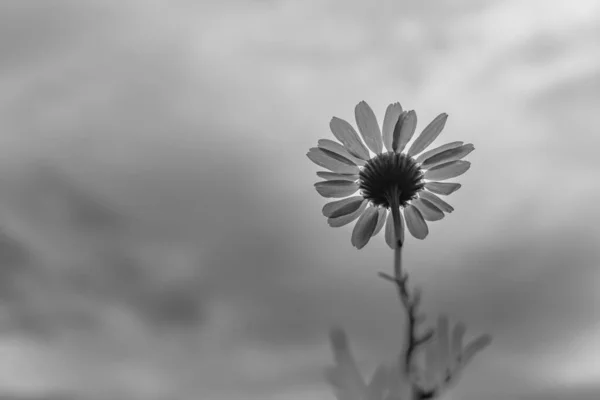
{"type": "Point", "coordinates": [400, 180]}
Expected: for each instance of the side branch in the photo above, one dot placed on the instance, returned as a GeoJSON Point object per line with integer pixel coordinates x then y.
{"type": "Point", "coordinates": [410, 303]}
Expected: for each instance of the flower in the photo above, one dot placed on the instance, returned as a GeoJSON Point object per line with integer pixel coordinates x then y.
{"type": "Point", "coordinates": [407, 180]}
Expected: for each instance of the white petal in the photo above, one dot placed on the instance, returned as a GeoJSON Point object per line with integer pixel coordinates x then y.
{"type": "Point", "coordinates": [415, 222]}
{"type": "Point", "coordinates": [444, 188]}
{"type": "Point", "coordinates": [390, 236]}
{"type": "Point", "coordinates": [364, 228]}
{"type": "Point", "coordinates": [389, 231]}
{"type": "Point", "coordinates": [368, 127]}
{"type": "Point", "coordinates": [447, 171]}
{"type": "Point", "coordinates": [439, 203]}
{"type": "Point", "coordinates": [428, 210]}
{"type": "Point", "coordinates": [345, 133]}
{"type": "Point", "coordinates": [346, 219]}
{"type": "Point", "coordinates": [439, 149]}
{"type": "Point", "coordinates": [337, 148]}
{"type": "Point", "coordinates": [429, 134]}
{"type": "Point", "coordinates": [404, 130]}
{"type": "Point", "coordinates": [447, 156]}
{"type": "Point", "coordinates": [389, 122]}
{"type": "Point", "coordinates": [380, 221]}
{"type": "Point", "coordinates": [332, 176]}
{"type": "Point", "coordinates": [336, 188]}
{"type": "Point", "coordinates": [339, 208]}
{"type": "Point", "coordinates": [331, 161]}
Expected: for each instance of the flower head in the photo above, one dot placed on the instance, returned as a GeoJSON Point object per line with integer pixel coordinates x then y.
{"type": "Point", "coordinates": [403, 178]}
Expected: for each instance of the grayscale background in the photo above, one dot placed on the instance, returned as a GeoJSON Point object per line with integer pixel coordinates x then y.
{"type": "Point", "coordinates": [161, 237]}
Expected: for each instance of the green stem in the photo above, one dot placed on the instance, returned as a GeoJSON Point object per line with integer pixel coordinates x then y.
{"type": "Point", "coordinates": [411, 342]}
{"type": "Point", "coordinates": [398, 250]}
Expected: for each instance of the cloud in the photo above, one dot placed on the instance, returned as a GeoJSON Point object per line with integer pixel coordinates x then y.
{"type": "Point", "coordinates": [191, 121]}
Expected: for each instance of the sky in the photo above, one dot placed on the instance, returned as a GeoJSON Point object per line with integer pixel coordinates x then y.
{"type": "Point", "coordinates": [161, 236]}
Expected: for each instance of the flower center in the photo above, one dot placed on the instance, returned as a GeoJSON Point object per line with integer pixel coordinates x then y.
{"type": "Point", "coordinates": [387, 171]}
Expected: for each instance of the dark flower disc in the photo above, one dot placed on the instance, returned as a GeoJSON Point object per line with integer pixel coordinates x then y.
{"type": "Point", "coordinates": [387, 171]}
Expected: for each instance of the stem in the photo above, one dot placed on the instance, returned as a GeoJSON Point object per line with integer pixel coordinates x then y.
{"type": "Point", "coordinates": [398, 250]}
{"type": "Point", "coordinates": [400, 280]}
{"type": "Point", "coordinates": [394, 200]}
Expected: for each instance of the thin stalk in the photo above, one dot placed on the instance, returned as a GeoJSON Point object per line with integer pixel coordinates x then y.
{"type": "Point", "coordinates": [400, 279]}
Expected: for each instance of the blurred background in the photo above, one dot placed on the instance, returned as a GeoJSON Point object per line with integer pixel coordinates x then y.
{"type": "Point", "coordinates": [160, 237]}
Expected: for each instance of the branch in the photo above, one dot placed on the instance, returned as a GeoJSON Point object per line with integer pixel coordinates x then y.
{"type": "Point", "coordinates": [411, 303]}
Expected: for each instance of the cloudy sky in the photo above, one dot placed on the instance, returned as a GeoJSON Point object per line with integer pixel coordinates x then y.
{"type": "Point", "coordinates": [182, 252]}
